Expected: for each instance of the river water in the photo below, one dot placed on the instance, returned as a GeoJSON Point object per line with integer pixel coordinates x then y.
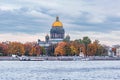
{"type": "Point", "coordinates": [59, 70]}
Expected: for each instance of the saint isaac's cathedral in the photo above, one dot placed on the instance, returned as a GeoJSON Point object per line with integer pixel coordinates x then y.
{"type": "Point", "coordinates": [57, 34]}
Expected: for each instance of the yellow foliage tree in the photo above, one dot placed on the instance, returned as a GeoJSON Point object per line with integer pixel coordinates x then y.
{"type": "Point", "coordinates": [73, 50]}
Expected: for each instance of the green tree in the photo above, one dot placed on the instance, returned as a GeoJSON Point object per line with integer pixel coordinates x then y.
{"type": "Point", "coordinates": [43, 51]}
{"type": "Point", "coordinates": [86, 40]}
{"type": "Point", "coordinates": [51, 49]}
{"type": "Point", "coordinates": [67, 49]}
{"type": "Point", "coordinates": [79, 41]}
{"type": "Point", "coordinates": [67, 38]}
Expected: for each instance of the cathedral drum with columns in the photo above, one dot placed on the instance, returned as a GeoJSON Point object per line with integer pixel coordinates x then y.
{"type": "Point", "coordinates": [57, 31]}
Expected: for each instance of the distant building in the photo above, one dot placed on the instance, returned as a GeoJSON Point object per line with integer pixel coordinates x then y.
{"type": "Point", "coordinates": [81, 54]}
{"type": "Point", "coordinates": [57, 34]}
{"type": "Point", "coordinates": [118, 51]}
{"type": "Point", "coordinates": [110, 52]}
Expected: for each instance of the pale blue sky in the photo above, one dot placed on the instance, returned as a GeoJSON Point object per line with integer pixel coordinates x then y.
{"type": "Point", "coordinates": [98, 19]}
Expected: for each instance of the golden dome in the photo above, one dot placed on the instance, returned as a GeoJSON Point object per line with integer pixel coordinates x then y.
{"type": "Point", "coordinates": [57, 23]}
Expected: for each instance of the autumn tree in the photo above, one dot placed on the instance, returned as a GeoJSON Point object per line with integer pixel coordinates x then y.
{"type": "Point", "coordinates": [38, 50]}
{"type": "Point", "coordinates": [3, 49]}
{"type": "Point", "coordinates": [67, 48]}
{"type": "Point", "coordinates": [60, 50]}
{"type": "Point", "coordinates": [75, 48]}
{"type": "Point", "coordinates": [33, 51]}
{"type": "Point", "coordinates": [16, 48]}
{"type": "Point", "coordinates": [91, 49]}
{"type": "Point", "coordinates": [28, 46]}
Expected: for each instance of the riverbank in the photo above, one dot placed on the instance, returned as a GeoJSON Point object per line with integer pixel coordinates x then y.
{"type": "Point", "coordinates": [59, 58]}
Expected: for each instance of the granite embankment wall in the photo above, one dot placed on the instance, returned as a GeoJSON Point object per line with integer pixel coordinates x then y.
{"type": "Point", "coordinates": [60, 58]}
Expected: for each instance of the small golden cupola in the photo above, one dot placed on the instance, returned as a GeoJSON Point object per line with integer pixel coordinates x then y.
{"type": "Point", "coordinates": [57, 23]}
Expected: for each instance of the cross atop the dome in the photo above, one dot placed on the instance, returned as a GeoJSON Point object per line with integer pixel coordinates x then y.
{"type": "Point", "coordinates": [57, 18]}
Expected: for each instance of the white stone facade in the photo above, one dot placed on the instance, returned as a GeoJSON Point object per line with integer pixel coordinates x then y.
{"type": "Point", "coordinates": [118, 51]}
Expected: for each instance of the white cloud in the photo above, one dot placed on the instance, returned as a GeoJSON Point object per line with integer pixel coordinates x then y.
{"type": "Point", "coordinates": [96, 19]}
{"type": "Point", "coordinates": [20, 37]}
{"type": "Point", "coordinates": [38, 14]}
{"type": "Point", "coordinates": [110, 38]}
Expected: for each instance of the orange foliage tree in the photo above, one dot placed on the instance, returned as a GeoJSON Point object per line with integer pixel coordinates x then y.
{"type": "Point", "coordinates": [59, 50]}
{"type": "Point", "coordinates": [37, 51]}
{"type": "Point", "coordinates": [92, 49]}
{"type": "Point", "coordinates": [33, 51]}
{"type": "Point", "coordinates": [28, 47]}
{"type": "Point", "coordinates": [16, 48]}
{"type": "Point", "coordinates": [3, 49]}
